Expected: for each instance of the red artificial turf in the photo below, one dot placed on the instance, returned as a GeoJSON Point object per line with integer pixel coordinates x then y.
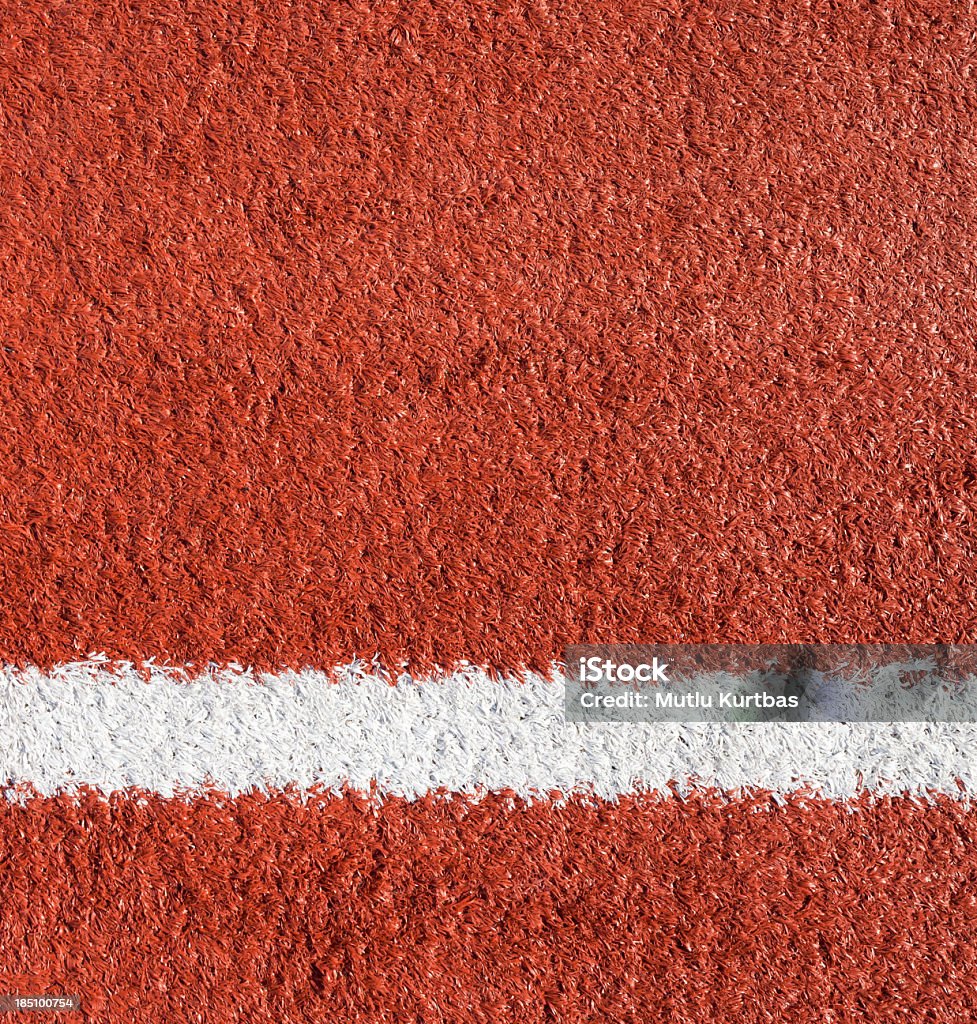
{"type": "Point", "coordinates": [262, 908]}
{"type": "Point", "coordinates": [449, 330]}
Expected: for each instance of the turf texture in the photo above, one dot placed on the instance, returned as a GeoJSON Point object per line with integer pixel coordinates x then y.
{"type": "Point", "coordinates": [444, 331]}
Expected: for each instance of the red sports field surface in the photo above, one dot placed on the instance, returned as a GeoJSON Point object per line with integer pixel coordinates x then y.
{"type": "Point", "coordinates": [640, 911]}
{"type": "Point", "coordinates": [465, 330]}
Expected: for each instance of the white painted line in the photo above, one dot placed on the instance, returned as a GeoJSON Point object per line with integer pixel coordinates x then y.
{"type": "Point", "coordinates": [112, 729]}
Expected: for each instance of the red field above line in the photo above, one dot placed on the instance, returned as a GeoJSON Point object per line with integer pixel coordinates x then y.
{"type": "Point", "coordinates": [466, 331]}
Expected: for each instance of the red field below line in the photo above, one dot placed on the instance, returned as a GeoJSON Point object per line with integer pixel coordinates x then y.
{"type": "Point", "coordinates": [466, 330]}
{"type": "Point", "coordinates": [263, 909]}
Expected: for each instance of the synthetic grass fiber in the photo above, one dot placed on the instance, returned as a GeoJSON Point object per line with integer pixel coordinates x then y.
{"type": "Point", "coordinates": [430, 337]}
{"type": "Point", "coordinates": [460, 331]}
{"type": "Point", "coordinates": [264, 908]}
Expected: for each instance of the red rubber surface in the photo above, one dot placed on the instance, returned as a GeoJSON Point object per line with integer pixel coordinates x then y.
{"type": "Point", "coordinates": [465, 330]}
{"type": "Point", "coordinates": [642, 911]}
